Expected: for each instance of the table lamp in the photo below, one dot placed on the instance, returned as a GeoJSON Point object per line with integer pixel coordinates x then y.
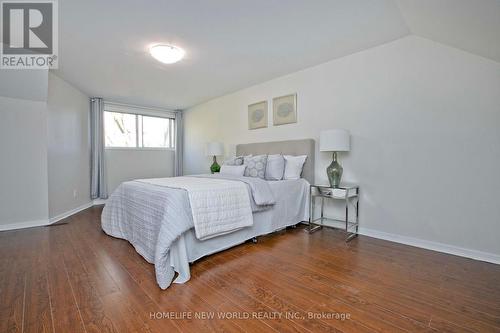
{"type": "Point", "coordinates": [334, 140]}
{"type": "Point", "coordinates": [215, 149]}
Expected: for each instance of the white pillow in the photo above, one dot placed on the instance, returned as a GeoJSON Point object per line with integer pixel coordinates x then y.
{"type": "Point", "coordinates": [275, 167]}
{"type": "Point", "coordinates": [293, 166]}
{"type": "Point", "coordinates": [233, 170]}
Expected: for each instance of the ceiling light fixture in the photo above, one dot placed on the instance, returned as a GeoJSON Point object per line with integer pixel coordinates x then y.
{"type": "Point", "coordinates": [167, 54]}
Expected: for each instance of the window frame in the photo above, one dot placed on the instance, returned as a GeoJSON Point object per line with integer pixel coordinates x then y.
{"type": "Point", "coordinates": [147, 112]}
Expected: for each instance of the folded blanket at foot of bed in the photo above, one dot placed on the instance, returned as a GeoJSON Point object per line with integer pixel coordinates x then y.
{"type": "Point", "coordinates": [219, 206]}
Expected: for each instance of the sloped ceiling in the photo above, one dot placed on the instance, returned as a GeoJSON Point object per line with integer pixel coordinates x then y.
{"type": "Point", "coordinates": [233, 44]}
{"type": "Point", "coordinates": [230, 44]}
{"type": "Point", "coordinates": [470, 25]}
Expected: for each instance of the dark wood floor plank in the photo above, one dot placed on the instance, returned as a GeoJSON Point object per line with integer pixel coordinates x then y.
{"type": "Point", "coordinates": [75, 278]}
{"type": "Point", "coordinates": [38, 308]}
{"type": "Point", "coordinates": [380, 276]}
{"type": "Point", "coordinates": [38, 311]}
{"type": "Point", "coordinates": [11, 285]}
{"type": "Point", "coordinates": [407, 264]}
{"type": "Point", "coordinates": [250, 304]}
{"type": "Point", "coordinates": [265, 297]}
{"type": "Point", "coordinates": [439, 269]}
{"type": "Point", "coordinates": [291, 302]}
{"type": "Point", "coordinates": [13, 305]}
{"type": "Point", "coordinates": [476, 310]}
{"type": "Point", "coordinates": [292, 278]}
{"type": "Point", "coordinates": [398, 286]}
{"type": "Point", "coordinates": [66, 314]}
{"type": "Point", "coordinates": [97, 272]}
{"type": "Point", "coordinates": [98, 315]}
{"type": "Point", "coordinates": [224, 304]}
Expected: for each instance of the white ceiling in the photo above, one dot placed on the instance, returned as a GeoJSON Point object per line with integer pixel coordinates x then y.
{"type": "Point", "coordinates": [233, 44]}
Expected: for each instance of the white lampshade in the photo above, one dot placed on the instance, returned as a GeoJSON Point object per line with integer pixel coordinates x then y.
{"type": "Point", "coordinates": [335, 140]}
{"type": "Point", "coordinates": [215, 149]}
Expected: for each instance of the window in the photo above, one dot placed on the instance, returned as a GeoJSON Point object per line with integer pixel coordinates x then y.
{"type": "Point", "coordinates": [126, 130]}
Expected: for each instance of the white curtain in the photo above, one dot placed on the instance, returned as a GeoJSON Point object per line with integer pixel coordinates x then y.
{"type": "Point", "coordinates": [98, 187]}
{"type": "Point", "coordinates": [179, 143]}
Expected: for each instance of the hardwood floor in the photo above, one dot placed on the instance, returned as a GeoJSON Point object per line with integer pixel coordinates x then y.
{"type": "Point", "coordinates": [74, 278]}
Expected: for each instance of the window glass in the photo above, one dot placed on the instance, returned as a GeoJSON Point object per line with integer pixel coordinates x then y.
{"type": "Point", "coordinates": [155, 132]}
{"type": "Point", "coordinates": [120, 129]}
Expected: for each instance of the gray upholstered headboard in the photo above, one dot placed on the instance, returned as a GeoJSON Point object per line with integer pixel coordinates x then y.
{"type": "Point", "coordinates": [291, 147]}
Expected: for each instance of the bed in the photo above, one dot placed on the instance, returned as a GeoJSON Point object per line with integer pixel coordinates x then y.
{"type": "Point", "coordinates": [159, 220]}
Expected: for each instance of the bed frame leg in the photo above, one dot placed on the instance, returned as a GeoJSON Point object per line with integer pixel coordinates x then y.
{"type": "Point", "coordinates": [254, 240]}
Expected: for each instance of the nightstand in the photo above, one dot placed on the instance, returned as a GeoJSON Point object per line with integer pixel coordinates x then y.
{"type": "Point", "coordinates": [349, 193]}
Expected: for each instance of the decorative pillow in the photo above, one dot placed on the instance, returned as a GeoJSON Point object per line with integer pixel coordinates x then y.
{"type": "Point", "coordinates": [233, 170]}
{"type": "Point", "coordinates": [275, 167]}
{"type": "Point", "coordinates": [256, 166]}
{"type": "Point", "coordinates": [237, 160]}
{"type": "Point", "coordinates": [293, 166]}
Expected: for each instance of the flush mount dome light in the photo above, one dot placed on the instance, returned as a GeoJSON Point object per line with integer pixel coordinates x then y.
{"type": "Point", "coordinates": [167, 54]}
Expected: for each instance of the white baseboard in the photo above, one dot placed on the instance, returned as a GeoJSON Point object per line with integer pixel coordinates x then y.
{"type": "Point", "coordinates": [23, 225]}
{"type": "Point", "coordinates": [52, 220]}
{"type": "Point", "coordinates": [99, 202]}
{"type": "Point", "coordinates": [440, 247]}
{"type": "Point", "coordinates": [70, 212]}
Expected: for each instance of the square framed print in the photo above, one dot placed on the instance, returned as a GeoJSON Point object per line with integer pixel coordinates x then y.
{"type": "Point", "coordinates": [257, 115]}
{"type": "Point", "coordinates": [285, 110]}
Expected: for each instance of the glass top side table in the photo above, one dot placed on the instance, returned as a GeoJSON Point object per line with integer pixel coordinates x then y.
{"type": "Point", "coordinates": [349, 193]}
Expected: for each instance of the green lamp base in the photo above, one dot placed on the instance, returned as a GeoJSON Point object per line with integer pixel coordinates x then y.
{"type": "Point", "coordinates": [334, 172]}
{"type": "Point", "coordinates": [215, 167]}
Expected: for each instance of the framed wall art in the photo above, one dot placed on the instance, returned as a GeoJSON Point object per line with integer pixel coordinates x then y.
{"type": "Point", "coordinates": [285, 110]}
{"type": "Point", "coordinates": [257, 115]}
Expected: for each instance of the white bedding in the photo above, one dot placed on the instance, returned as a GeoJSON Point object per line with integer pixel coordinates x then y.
{"type": "Point", "coordinates": [158, 222]}
{"type": "Point", "coordinates": [219, 206]}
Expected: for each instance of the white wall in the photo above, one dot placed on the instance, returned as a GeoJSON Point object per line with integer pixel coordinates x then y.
{"type": "Point", "coordinates": [23, 162]}
{"type": "Point", "coordinates": [28, 84]}
{"type": "Point", "coordinates": [68, 147]}
{"type": "Point", "coordinates": [128, 164]}
{"type": "Point", "coordinates": [44, 148]}
{"type": "Point", "coordinates": [425, 124]}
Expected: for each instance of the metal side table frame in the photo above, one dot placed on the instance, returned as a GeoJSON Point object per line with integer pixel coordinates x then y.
{"type": "Point", "coordinates": [347, 192]}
